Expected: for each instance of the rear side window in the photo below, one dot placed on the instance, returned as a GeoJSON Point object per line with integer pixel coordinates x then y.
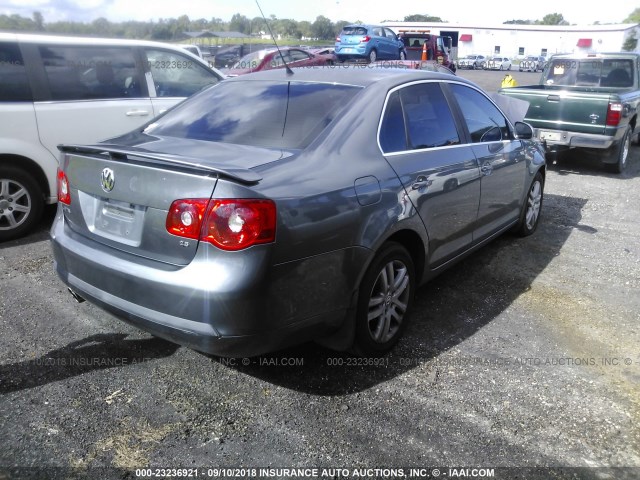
{"type": "Point", "coordinates": [484, 120]}
{"type": "Point", "coordinates": [287, 115]}
{"type": "Point", "coordinates": [14, 86]}
{"type": "Point", "coordinates": [176, 75]}
{"type": "Point", "coordinates": [84, 73]}
{"type": "Point", "coordinates": [425, 116]}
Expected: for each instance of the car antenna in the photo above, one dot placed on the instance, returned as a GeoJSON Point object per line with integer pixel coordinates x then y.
{"type": "Point", "coordinates": [289, 71]}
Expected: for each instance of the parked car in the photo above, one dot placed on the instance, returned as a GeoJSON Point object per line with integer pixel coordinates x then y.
{"type": "Point", "coordinates": [532, 64]}
{"type": "Point", "coordinates": [270, 59]}
{"type": "Point", "coordinates": [498, 63]}
{"type": "Point", "coordinates": [429, 65]}
{"type": "Point", "coordinates": [328, 52]}
{"type": "Point", "coordinates": [472, 62]}
{"type": "Point", "coordinates": [68, 89]}
{"type": "Point", "coordinates": [193, 49]}
{"type": "Point", "coordinates": [369, 42]}
{"type": "Point", "coordinates": [276, 208]}
{"type": "Point", "coordinates": [225, 57]}
{"type": "Point", "coordinates": [588, 103]}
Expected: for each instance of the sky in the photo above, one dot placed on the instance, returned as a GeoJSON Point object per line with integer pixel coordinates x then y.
{"type": "Point", "coordinates": [469, 12]}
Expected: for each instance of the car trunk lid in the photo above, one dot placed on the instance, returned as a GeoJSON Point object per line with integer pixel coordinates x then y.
{"type": "Point", "coordinates": [579, 109]}
{"type": "Point", "coordinates": [121, 195]}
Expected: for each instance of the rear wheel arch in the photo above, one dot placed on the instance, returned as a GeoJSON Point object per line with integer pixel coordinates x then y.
{"type": "Point", "coordinates": [636, 133]}
{"type": "Point", "coordinates": [30, 167]}
{"type": "Point", "coordinates": [385, 295]}
{"type": "Point", "coordinates": [21, 200]}
{"type": "Point", "coordinates": [412, 242]}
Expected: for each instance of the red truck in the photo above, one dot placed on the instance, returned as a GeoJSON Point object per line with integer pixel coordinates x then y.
{"type": "Point", "coordinates": [437, 47]}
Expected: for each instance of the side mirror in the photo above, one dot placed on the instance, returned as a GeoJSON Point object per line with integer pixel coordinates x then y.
{"type": "Point", "coordinates": [524, 131]}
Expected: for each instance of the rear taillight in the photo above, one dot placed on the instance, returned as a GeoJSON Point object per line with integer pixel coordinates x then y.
{"type": "Point", "coordinates": [64, 194]}
{"type": "Point", "coordinates": [365, 39]}
{"type": "Point", "coordinates": [237, 224]}
{"type": "Point", "coordinates": [337, 39]}
{"type": "Point", "coordinates": [614, 114]}
{"type": "Point", "coordinates": [185, 217]}
{"type": "Point", "coordinates": [229, 224]}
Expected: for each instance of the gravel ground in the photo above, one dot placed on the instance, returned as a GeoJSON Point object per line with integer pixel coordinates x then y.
{"type": "Point", "coordinates": [526, 354]}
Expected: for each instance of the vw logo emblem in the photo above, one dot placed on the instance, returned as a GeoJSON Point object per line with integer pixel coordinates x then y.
{"type": "Point", "coordinates": [107, 180]}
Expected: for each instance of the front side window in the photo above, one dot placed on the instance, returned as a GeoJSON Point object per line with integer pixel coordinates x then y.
{"type": "Point", "coordinates": [286, 115]}
{"type": "Point", "coordinates": [484, 121]}
{"type": "Point", "coordinates": [390, 34]}
{"type": "Point", "coordinates": [80, 73]}
{"type": "Point", "coordinates": [297, 56]}
{"type": "Point", "coordinates": [417, 117]}
{"type": "Point", "coordinates": [176, 75]}
{"type": "Point", "coordinates": [14, 86]}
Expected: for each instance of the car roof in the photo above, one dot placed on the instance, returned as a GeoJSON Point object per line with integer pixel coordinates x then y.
{"type": "Point", "coordinates": [72, 40]}
{"type": "Point", "coordinates": [600, 55]}
{"type": "Point", "coordinates": [363, 25]}
{"type": "Point", "coordinates": [356, 75]}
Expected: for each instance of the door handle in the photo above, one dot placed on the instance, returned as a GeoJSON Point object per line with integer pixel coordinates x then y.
{"type": "Point", "coordinates": [137, 113]}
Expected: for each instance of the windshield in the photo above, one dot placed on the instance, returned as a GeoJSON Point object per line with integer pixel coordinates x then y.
{"type": "Point", "coordinates": [286, 115]}
{"type": "Point", "coordinates": [590, 72]}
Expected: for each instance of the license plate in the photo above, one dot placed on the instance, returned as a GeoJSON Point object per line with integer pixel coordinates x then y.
{"type": "Point", "coordinates": [549, 136]}
{"type": "Point", "coordinates": [118, 221]}
{"type": "Point", "coordinates": [347, 50]}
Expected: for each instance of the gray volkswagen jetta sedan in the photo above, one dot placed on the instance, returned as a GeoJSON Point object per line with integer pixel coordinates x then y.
{"type": "Point", "coordinates": [277, 208]}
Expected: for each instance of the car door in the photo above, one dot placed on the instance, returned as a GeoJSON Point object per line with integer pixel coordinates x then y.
{"type": "Point", "coordinates": [87, 93]}
{"type": "Point", "coordinates": [300, 58]}
{"type": "Point", "coordinates": [440, 174]}
{"type": "Point", "coordinates": [502, 161]}
{"type": "Point", "coordinates": [394, 43]}
{"type": "Point", "coordinates": [381, 43]}
{"type": "Point", "coordinates": [173, 76]}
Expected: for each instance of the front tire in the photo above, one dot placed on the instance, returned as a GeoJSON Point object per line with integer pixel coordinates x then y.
{"type": "Point", "coordinates": [21, 203]}
{"type": "Point", "coordinates": [403, 56]}
{"type": "Point", "coordinates": [530, 216]}
{"type": "Point", "coordinates": [384, 298]}
{"type": "Point", "coordinates": [622, 154]}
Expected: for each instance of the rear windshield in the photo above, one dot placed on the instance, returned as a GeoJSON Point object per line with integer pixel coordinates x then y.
{"type": "Point", "coordinates": [414, 41]}
{"type": "Point", "coordinates": [590, 73]}
{"type": "Point", "coordinates": [252, 60]}
{"type": "Point", "coordinates": [286, 115]}
{"type": "Point", "coordinates": [354, 31]}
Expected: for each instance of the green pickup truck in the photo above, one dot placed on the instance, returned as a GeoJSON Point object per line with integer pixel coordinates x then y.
{"type": "Point", "coordinates": [589, 102]}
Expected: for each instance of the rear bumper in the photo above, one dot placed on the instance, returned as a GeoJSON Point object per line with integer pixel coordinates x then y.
{"type": "Point", "coordinates": [605, 146]}
{"type": "Point", "coordinates": [238, 307]}
{"type": "Point", "coordinates": [559, 139]}
{"type": "Point", "coordinates": [354, 51]}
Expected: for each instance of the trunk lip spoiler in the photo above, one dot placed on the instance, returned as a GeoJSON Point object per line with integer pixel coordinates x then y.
{"type": "Point", "coordinates": [243, 175]}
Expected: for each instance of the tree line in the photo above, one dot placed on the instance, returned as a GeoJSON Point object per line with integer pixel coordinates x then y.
{"type": "Point", "coordinates": [322, 28]}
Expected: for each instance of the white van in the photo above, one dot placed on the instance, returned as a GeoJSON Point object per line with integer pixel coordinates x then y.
{"type": "Point", "coordinates": [69, 90]}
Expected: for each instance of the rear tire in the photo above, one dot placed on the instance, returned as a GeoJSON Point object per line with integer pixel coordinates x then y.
{"type": "Point", "coordinates": [21, 203]}
{"type": "Point", "coordinates": [622, 154]}
{"type": "Point", "coordinates": [530, 215]}
{"type": "Point", "coordinates": [373, 55]}
{"type": "Point", "coordinates": [384, 298]}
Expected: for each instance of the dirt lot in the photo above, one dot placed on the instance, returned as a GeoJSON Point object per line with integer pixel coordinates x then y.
{"type": "Point", "coordinates": [524, 355]}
